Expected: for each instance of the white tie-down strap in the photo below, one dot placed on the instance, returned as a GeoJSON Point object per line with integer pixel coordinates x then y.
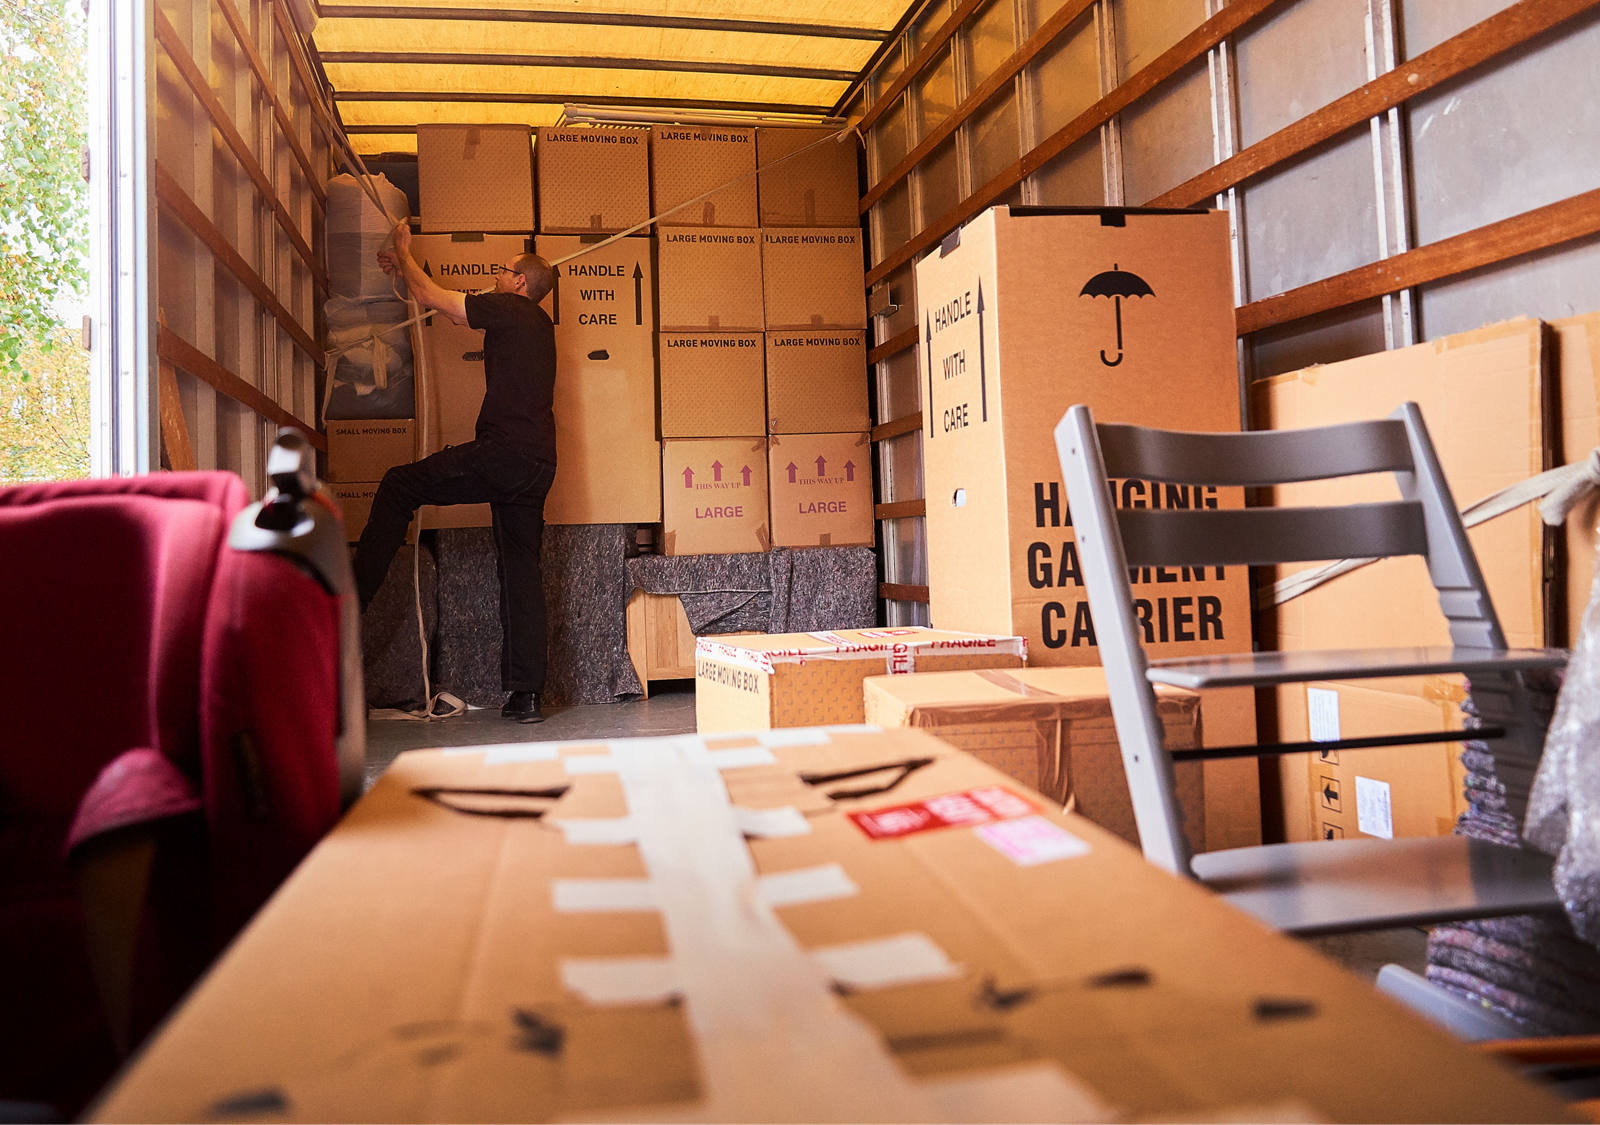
{"type": "Point", "coordinates": [769, 1030]}
{"type": "Point", "coordinates": [1559, 491]}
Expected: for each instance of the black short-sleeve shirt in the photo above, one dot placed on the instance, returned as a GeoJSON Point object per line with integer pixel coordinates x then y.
{"type": "Point", "coordinates": [519, 371]}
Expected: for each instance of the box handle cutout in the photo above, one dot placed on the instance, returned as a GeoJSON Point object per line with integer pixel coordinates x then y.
{"type": "Point", "coordinates": [959, 499]}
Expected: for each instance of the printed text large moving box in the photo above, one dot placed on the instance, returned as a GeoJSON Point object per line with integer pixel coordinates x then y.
{"type": "Point", "coordinates": [1020, 315]}
{"type": "Point", "coordinates": [710, 279]}
{"type": "Point", "coordinates": [712, 384]}
{"type": "Point", "coordinates": [805, 679]}
{"type": "Point", "coordinates": [812, 278]}
{"type": "Point", "coordinates": [816, 382]}
{"type": "Point", "coordinates": [592, 179]}
{"type": "Point", "coordinates": [687, 162]}
{"type": "Point", "coordinates": [1050, 728]}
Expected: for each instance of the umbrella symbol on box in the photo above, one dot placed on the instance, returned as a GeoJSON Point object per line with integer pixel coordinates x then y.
{"type": "Point", "coordinates": [1116, 284]}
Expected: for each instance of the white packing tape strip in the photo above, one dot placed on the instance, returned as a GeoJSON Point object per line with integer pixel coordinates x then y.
{"type": "Point", "coordinates": [885, 962]}
{"type": "Point", "coordinates": [621, 980]}
{"type": "Point", "coordinates": [577, 896]}
{"type": "Point", "coordinates": [808, 884]}
{"type": "Point", "coordinates": [599, 830]}
{"type": "Point", "coordinates": [772, 824]}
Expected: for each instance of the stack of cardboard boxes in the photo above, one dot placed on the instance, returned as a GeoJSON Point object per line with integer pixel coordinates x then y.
{"type": "Point", "coordinates": [746, 306]}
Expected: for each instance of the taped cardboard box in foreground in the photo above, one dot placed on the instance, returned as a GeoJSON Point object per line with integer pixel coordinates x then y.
{"type": "Point", "coordinates": [851, 925]}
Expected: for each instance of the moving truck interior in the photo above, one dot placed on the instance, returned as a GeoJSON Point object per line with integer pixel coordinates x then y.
{"type": "Point", "coordinates": [888, 343]}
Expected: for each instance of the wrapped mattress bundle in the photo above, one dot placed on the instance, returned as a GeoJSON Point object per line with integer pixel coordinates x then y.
{"type": "Point", "coordinates": [369, 360]}
{"type": "Point", "coordinates": [356, 230]}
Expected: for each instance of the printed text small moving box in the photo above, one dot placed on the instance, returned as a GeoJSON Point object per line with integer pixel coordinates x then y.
{"type": "Point", "coordinates": [805, 679]}
{"type": "Point", "coordinates": [475, 178]}
{"type": "Point", "coordinates": [1050, 728]}
{"type": "Point", "coordinates": [365, 449]}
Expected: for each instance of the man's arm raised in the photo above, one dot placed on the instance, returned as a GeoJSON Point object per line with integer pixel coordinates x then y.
{"type": "Point", "coordinates": [422, 287]}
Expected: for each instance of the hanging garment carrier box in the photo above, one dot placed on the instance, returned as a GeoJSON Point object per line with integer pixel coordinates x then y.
{"type": "Point", "coordinates": [1020, 314]}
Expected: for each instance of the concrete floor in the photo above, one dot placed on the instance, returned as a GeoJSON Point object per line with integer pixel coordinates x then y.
{"type": "Point", "coordinates": [671, 711]}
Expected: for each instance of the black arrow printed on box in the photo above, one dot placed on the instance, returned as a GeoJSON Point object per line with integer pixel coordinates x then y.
{"type": "Point", "coordinates": [927, 348]}
{"type": "Point", "coordinates": [983, 383]}
{"type": "Point", "coordinates": [638, 293]}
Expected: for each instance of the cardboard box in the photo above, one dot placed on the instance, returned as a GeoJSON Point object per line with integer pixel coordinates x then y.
{"type": "Point", "coordinates": [1388, 792]}
{"type": "Point", "coordinates": [475, 177]}
{"type": "Point", "coordinates": [1577, 346]}
{"type": "Point", "coordinates": [812, 679]}
{"type": "Point", "coordinates": [455, 931]}
{"type": "Point", "coordinates": [709, 279]}
{"type": "Point", "coordinates": [714, 496]}
{"type": "Point", "coordinates": [604, 291]}
{"type": "Point", "coordinates": [821, 490]}
{"type": "Point", "coordinates": [363, 450]}
{"type": "Point", "coordinates": [813, 278]}
{"type": "Point", "coordinates": [1010, 342]}
{"type": "Point", "coordinates": [687, 162]}
{"type": "Point", "coordinates": [608, 461]}
{"type": "Point", "coordinates": [816, 382]}
{"type": "Point", "coordinates": [1483, 397]}
{"type": "Point", "coordinates": [592, 179]}
{"type": "Point", "coordinates": [713, 384]}
{"type": "Point", "coordinates": [451, 376]}
{"type": "Point", "coordinates": [1049, 729]}
{"type": "Point", "coordinates": [816, 187]}
{"type": "Point", "coordinates": [466, 262]}
{"type": "Point", "coordinates": [354, 499]}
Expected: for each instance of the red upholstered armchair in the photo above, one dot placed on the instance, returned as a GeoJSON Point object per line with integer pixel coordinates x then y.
{"type": "Point", "coordinates": [174, 742]}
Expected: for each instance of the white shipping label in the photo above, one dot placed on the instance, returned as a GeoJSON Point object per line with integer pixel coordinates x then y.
{"type": "Point", "coordinates": [1322, 710]}
{"type": "Point", "coordinates": [1374, 815]}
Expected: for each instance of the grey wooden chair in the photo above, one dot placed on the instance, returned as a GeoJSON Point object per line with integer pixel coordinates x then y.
{"type": "Point", "coordinates": [1323, 886]}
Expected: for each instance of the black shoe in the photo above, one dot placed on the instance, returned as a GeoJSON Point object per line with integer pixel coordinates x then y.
{"type": "Point", "coordinates": [523, 707]}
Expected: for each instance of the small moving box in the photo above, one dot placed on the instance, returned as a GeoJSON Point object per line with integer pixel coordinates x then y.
{"type": "Point", "coordinates": [816, 382]}
{"type": "Point", "coordinates": [592, 179]}
{"type": "Point", "coordinates": [475, 178]}
{"type": "Point", "coordinates": [712, 384]}
{"type": "Point", "coordinates": [817, 187]}
{"type": "Point", "coordinates": [355, 504]}
{"type": "Point", "coordinates": [806, 679]}
{"type": "Point", "coordinates": [714, 496]}
{"type": "Point", "coordinates": [710, 279]}
{"type": "Point", "coordinates": [821, 490]}
{"type": "Point", "coordinates": [1021, 314]}
{"type": "Point", "coordinates": [365, 449]}
{"type": "Point", "coordinates": [687, 162]}
{"type": "Point", "coordinates": [1050, 728]}
{"type": "Point", "coordinates": [467, 262]}
{"type": "Point", "coordinates": [450, 361]}
{"type": "Point", "coordinates": [813, 278]}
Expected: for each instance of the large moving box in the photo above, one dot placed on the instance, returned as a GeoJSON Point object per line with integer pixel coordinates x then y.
{"type": "Point", "coordinates": [808, 679]}
{"type": "Point", "coordinates": [809, 178]}
{"type": "Point", "coordinates": [816, 382]}
{"type": "Point", "coordinates": [813, 278]}
{"type": "Point", "coordinates": [714, 496]}
{"type": "Point", "coordinates": [713, 384]}
{"type": "Point", "coordinates": [1022, 314]}
{"type": "Point", "coordinates": [821, 490]}
{"type": "Point", "coordinates": [608, 461]}
{"type": "Point", "coordinates": [689, 161]}
{"type": "Point", "coordinates": [1577, 345]}
{"type": "Point", "coordinates": [475, 178]}
{"type": "Point", "coordinates": [710, 279]}
{"type": "Point", "coordinates": [592, 179]}
{"type": "Point", "coordinates": [1050, 729]}
{"type": "Point", "coordinates": [1483, 396]}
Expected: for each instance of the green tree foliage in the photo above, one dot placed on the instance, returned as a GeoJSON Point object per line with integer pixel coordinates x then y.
{"type": "Point", "coordinates": [44, 239]}
{"type": "Point", "coordinates": [44, 411]}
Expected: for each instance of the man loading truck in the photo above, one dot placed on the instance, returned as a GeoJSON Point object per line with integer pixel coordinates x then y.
{"type": "Point", "coordinates": [510, 464]}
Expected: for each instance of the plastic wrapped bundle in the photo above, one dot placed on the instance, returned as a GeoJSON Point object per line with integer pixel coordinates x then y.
{"type": "Point", "coordinates": [370, 367]}
{"type": "Point", "coordinates": [1564, 806]}
{"type": "Point", "coordinates": [356, 230]}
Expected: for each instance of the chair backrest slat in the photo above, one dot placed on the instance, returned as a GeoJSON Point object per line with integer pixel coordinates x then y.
{"type": "Point", "coordinates": [1256, 536]}
{"type": "Point", "coordinates": [1257, 458]}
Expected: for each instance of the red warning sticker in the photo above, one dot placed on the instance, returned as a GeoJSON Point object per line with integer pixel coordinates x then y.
{"type": "Point", "coordinates": [974, 806]}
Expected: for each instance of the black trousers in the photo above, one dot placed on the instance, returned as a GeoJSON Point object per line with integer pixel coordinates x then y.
{"type": "Point", "coordinates": [514, 483]}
